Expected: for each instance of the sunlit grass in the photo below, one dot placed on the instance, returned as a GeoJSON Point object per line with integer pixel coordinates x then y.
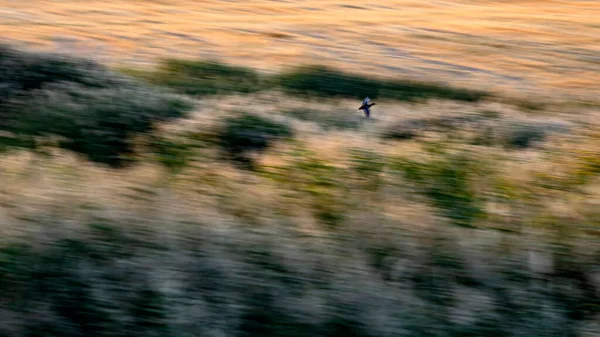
{"type": "Point", "coordinates": [447, 217]}
{"type": "Point", "coordinates": [522, 48]}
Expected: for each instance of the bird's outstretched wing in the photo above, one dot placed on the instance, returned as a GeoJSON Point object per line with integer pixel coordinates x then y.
{"type": "Point", "coordinates": [364, 104]}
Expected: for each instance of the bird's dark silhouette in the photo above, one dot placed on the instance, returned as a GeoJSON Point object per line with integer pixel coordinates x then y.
{"type": "Point", "coordinates": [366, 107]}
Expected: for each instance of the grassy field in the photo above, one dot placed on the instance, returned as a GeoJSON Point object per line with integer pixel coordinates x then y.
{"type": "Point", "coordinates": [548, 48]}
{"type": "Point", "coordinates": [193, 198]}
{"type": "Point", "coordinates": [130, 210]}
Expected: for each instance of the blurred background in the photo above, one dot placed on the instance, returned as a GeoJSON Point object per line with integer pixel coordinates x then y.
{"type": "Point", "coordinates": [201, 168]}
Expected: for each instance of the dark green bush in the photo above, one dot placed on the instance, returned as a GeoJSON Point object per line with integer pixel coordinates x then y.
{"type": "Point", "coordinates": [205, 77]}
{"type": "Point", "coordinates": [245, 133]}
{"type": "Point", "coordinates": [21, 72]}
{"type": "Point", "coordinates": [324, 81]}
{"type": "Point", "coordinates": [522, 135]}
{"type": "Point", "coordinates": [211, 77]}
{"type": "Point", "coordinates": [412, 90]}
{"type": "Point", "coordinates": [15, 142]}
{"type": "Point", "coordinates": [91, 109]}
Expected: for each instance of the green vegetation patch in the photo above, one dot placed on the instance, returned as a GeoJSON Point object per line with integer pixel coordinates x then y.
{"type": "Point", "coordinates": [200, 77]}
{"type": "Point", "coordinates": [448, 182]}
{"type": "Point", "coordinates": [245, 133]}
{"type": "Point", "coordinates": [92, 110]}
{"type": "Point", "coordinates": [205, 77]}
{"type": "Point", "coordinates": [324, 81]}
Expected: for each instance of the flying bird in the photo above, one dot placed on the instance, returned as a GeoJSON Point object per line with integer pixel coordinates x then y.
{"type": "Point", "coordinates": [366, 107]}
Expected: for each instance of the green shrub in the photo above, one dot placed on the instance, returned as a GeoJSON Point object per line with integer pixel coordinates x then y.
{"type": "Point", "coordinates": [321, 181]}
{"type": "Point", "coordinates": [174, 155]}
{"type": "Point", "coordinates": [314, 180]}
{"type": "Point", "coordinates": [522, 135]}
{"type": "Point", "coordinates": [245, 133]}
{"type": "Point", "coordinates": [205, 77]}
{"type": "Point", "coordinates": [324, 81]}
{"type": "Point", "coordinates": [448, 182]}
{"type": "Point", "coordinates": [411, 90]}
{"type": "Point", "coordinates": [210, 77]}
{"type": "Point", "coordinates": [15, 142]}
{"type": "Point", "coordinates": [21, 72]}
{"type": "Point", "coordinates": [98, 123]}
{"type": "Point", "coordinates": [92, 110]}
{"type": "Point", "coordinates": [176, 151]}
{"type": "Point", "coordinates": [514, 134]}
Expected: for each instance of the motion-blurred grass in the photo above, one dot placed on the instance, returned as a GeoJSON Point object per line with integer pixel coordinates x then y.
{"type": "Point", "coordinates": [481, 222]}
{"type": "Point", "coordinates": [211, 77]}
{"type": "Point", "coordinates": [91, 109]}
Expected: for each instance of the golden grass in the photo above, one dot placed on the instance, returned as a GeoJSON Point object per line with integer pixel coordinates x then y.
{"type": "Point", "coordinates": [211, 190]}
{"type": "Point", "coordinates": [531, 47]}
{"type": "Point", "coordinates": [213, 207]}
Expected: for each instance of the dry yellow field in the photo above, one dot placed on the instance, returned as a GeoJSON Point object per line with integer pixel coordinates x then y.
{"type": "Point", "coordinates": [532, 47]}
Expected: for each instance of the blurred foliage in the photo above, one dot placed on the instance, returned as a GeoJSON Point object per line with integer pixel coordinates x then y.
{"type": "Point", "coordinates": [204, 77]}
{"type": "Point", "coordinates": [92, 110]}
{"type": "Point", "coordinates": [448, 181]}
{"type": "Point", "coordinates": [175, 155]}
{"type": "Point", "coordinates": [251, 261]}
{"type": "Point", "coordinates": [584, 165]}
{"type": "Point", "coordinates": [324, 81]}
{"type": "Point", "coordinates": [309, 177]}
{"type": "Point", "coordinates": [104, 281]}
{"type": "Point", "coordinates": [522, 135]}
{"type": "Point", "coordinates": [210, 77]}
{"type": "Point", "coordinates": [416, 127]}
{"type": "Point", "coordinates": [368, 167]}
{"type": "Point", "coordinates": [245, 133]}
{"type": "Point", "coordinates": [13, 142]}
{"type": "Point", "coordinates": [512, 134]}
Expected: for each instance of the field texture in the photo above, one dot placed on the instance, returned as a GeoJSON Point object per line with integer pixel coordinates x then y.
{"type": "Point", "coordinates": [203, 199]}
{"type": "Point", "coordinates": [549, 48]}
